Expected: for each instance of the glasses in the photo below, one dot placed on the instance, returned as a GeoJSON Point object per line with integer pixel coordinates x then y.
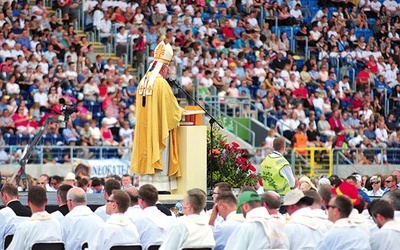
{"type": "Point", "coordinates": [387, 181]}
{"type": "Point", "coordinates": [330, 206]}
{"type": "Point", "coordinates": [376, 182]}
{"type": "Point", "coordinates": [110, 201]}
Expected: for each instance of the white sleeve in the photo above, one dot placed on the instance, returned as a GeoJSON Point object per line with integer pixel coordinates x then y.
{"type": "Point", "coordinates": [288, 174]}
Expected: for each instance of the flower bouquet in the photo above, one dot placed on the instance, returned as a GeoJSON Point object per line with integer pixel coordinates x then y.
{"type": "Point", "coordinates": [227, 162]}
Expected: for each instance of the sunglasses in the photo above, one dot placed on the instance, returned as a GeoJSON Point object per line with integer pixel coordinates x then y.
{"type": "Point", "coordinates": [376, 182]}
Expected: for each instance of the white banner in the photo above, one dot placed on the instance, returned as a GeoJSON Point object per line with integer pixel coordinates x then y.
{"type": "Point", "coordinates": [104, 167]}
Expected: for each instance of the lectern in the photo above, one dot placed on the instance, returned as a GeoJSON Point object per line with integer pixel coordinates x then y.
{"type": "Point", "coordinates": [193, 161]}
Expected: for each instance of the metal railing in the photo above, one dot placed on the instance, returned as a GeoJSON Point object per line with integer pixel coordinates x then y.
{"type": "Point", "coordinates": [59, 15]}
{"type": "Point", "coordinates": [107, 49]}
{"type": "Point", "coordinates": [214, 106]}
{"type": "Point", "coordinates": [58, 153]}
{"type": "Point", "coordinates": [312, 161]}
{"type": "Point", "coordinates": [91, 37]}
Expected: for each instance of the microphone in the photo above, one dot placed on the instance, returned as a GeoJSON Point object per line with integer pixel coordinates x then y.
{"type": "Point", "coordinates": [172, 82]}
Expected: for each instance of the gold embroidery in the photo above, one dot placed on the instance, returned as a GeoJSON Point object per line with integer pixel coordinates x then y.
{"type": "Point", "coordinates": [160, 51]}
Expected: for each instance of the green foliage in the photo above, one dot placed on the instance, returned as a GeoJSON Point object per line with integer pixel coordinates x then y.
{"type": "Point", "coordinates": [229, 162]}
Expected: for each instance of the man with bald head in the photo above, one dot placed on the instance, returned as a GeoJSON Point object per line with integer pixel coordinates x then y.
{"type": "Point", "coordinates": [80, 224]}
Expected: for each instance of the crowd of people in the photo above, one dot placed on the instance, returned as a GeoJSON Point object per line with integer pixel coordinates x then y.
{"type": "Point", "coordinates": [228, 48]}
{"type": "Point", "coordinates": [316, 213]}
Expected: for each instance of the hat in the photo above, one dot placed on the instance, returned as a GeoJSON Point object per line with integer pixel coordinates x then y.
{"type": "Point", "coordinates": [308, 181]}
{"type": "Point", "coordinates": [347, 189]}
{"type": "Point", "coordinates": [232, 64]}
{"type": "Point", "coordinates": [163, 55]}
{"type": "Point", "coordinates": [245, 197]}
{"type": "Point", "coordinates": [70, 176]}
{"type": "Point", "coordinates": [56, 110]}
{"type": "Point", "coordinates": [294, 196]}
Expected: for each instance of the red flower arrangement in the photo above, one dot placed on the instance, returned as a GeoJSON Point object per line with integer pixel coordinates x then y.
{"type": "Point", "coordinates": [229, 163]}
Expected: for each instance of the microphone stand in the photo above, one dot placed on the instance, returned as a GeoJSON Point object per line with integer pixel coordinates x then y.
{"type": "Point", "coordinates": [174, 83]}
{"type": "Point", "coordinates": [27, 153]}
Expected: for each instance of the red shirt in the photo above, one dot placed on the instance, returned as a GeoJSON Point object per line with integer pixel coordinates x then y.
{"type": "Point", "coordinates": [103, 90]}
{"type": "Point", "coordinates": [373, 67]}
{"type": "Point", "coordinates": [302, 92]}
{"type": "Point", "coordinates": [17, 117]}
{"type": "Point", "coordinates": [228, 32]}
{"type": "Point", "coordinates": [107, 102]}
{"type": "Point", "coordinates": [356, 103]}
{"type": "Point", "coordinates": [335, 123]}
{"type": "Point", "coordinates": [362, 77]}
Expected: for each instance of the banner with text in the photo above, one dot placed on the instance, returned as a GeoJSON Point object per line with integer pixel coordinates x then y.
{"type": "Point", "coordinates": [101, 168]}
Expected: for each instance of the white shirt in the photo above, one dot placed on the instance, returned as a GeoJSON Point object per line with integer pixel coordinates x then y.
{"type": "Point", "coordinates": [318, 102]}
{"type": "Point", "coordinates": [40, 227]}
{"type": "Point", "coordinates": [79, 226]}
{"type": "Point", "coordinates": [303, 230]}
{"type": "Point", "coordinates": [133, 211]}
{"type": "Point", "coordinates": [5, 53]}
{"type": "Point", "coordinates": [188, 232]}
{"type": "Point", "coordinates": [386, 238]}
{"type": "Point", "coordinates": [296, 13]}
{"type": "Point", "coordinates": [41, 98]}
{"type": "Point", "coordinates": [151, 225]}
{"type": "Point", "coordinates": [105, 28]}
{"type": "Point", "coordinates": [162, 8]}
{"type": "Point", "coordinates": [101, 212]}
{"type": "Point", "coordinates": [362, 3]}
{"type": "Point", "coordinates": [381, 134]}
{"type": "Point", "coordinates": [259, 231]}
{"type": "Point", "coordinates": [390, 5]}
{"type": "Point", "coordinates": [375, 6]}
{"type": "Point", "coordinates": [206, 82]}
{"type": "Point", "coordinates": [223, 231]}
{"type": "Point", "coordinates": [118, 230]}
{"type": "Point", "coordinates": [345, 235]}
{"type": "Point", "coordinates": [6, 217]}
{"type": "Point", "coordinates": [121, 38]}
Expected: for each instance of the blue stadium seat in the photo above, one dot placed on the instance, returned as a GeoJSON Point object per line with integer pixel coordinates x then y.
{"type": "Point", "coordinates": [21, 138]}
{"type": "Point", "coordinates": [205, 15]}
{"type": "Point", "coordinates": [288, 30]}
{"type": "Point", "coordinates": [371, 21]}
{"type": "Point", "coordinates": [109, 153]}
{"type": "Point", "coordinates": [57, 138]}
{"type": "Point", "coordinates": [367, 34]}
{"type": "Point", "coordinates": [46, 139]}
{"type": "Point", "coordinates": [96, 152]}
{"type": "Point", "coordinates": [94, 107]}
{"type": "Point", "coordinates": [58, 154]}
{"type": "Point", "coordinates": [10, 139]}
{"type": "Point", "coordinates": [98, 117]}
{"type": "Point", "coordinates": [313, 9]}
{"type": "Point", "coordinates": [359, 32]}
{"type": "Point", "coordinates": [313, 3]}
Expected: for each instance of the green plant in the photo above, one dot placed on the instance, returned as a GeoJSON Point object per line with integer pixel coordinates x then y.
{"type": "Point", "coordinates": [227, 162]}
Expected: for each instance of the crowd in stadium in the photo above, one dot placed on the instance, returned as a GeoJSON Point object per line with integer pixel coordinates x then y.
{"type": "Point", "coordinates": [232, 49]}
